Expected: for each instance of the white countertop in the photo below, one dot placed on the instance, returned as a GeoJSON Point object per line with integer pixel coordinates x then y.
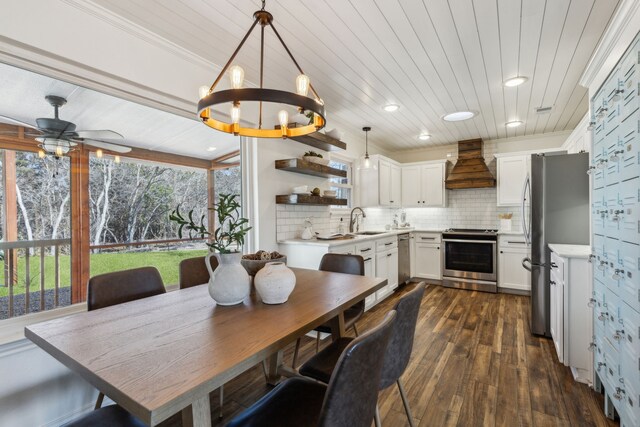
{"type": "Point", "coordinates": [511, 233]}
{"type": "Point", "coordinates": [357, 239]}
{"type": "Point", "coordinates": [571, 251]}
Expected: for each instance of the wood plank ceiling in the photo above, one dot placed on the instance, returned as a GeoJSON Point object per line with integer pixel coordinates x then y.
{"type": "Point", "coordinates": [431, 57]}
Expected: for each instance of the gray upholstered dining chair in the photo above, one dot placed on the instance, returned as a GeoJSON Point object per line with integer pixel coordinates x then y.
{"type": "Point", "coordinates": [321, 366]}
{"type": "Point", "coordinates": [105, 290]}
{"type": "Point", "coordinates": [348, 400]}
{"type": "Point", "coordinates": [193, 271]}
{"type": "Point", "coordinates": [109, 416]}
{"type": "Point", "coordinates": [338, 263]}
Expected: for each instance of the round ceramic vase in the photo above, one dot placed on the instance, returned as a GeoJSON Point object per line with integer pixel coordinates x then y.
{"type": "Point", "coordinates": [275, 282]}
{"type": "Point", "coordinates": [229, 283]}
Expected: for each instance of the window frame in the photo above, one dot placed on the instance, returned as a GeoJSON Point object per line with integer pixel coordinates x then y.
{"type": "Point", "coordinates": [350, 162]}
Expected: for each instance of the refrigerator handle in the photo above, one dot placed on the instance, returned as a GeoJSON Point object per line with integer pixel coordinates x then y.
{"type": "Point", "coordinates": [524, 263]}
{"type": "Point", "coordinates": [525, 195]}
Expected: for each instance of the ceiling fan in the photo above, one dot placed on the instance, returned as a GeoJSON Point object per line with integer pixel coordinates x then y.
{"type": "Point", "coordinates": [58, 137]}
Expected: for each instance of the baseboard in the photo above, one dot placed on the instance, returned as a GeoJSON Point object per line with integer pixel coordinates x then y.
{"type": "Point", "coordinates": [514, 291]}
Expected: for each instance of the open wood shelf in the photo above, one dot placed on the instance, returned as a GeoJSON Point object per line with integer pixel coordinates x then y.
{"type": "Point", "coordinates": [318, 140]}
{"type": "Point", "coordinates": [308, 168]}
{"type": "Point", "coordinates": [308, 199]}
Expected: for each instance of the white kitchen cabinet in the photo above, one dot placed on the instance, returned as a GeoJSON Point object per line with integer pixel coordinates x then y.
{"type": "Point", "coordinates": [427, 261]}
{"type": "Point", "coordinates": [381, 185]}
{"type": "Point", "coordinates": [512, 172]}
{"type": "Point", "coordinates": [570, 313]}
{"type": "Point", "coordinates": [423, 184]}
{"type": "Point", "coordinates": [368, 252]}
{"type": "Point", "coordinates": [556, 317]}
{"type": "Point", "coordinates": [512, 249]}
{"type": "Point", "coordinates": [387, 267]}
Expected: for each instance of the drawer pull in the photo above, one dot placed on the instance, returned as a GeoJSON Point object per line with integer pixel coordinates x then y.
{"type": "Point", "coordinates": [387, 244]}
{"type": "Point", "coordinates": [367, 259]}
{"type": "Point", "coordinates": [616, 275]}
{"type": "Point", "coordinates": [389, 254]}
{"type": "Point", "coordinates": [365, 250]}
{"type": "Point", "coordinates": [428, 238]}
{"type": "Point", "coordinates": [554, 265]}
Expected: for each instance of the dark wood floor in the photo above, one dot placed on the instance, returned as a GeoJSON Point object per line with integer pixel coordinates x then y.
{"type": "Point", "coordinates": [474, 363]}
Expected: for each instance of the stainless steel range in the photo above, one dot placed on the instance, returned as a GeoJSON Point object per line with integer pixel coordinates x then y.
{"type": "Point", "coordinates": [470, 259]}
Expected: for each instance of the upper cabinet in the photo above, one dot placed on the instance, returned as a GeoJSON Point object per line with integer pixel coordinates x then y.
{"type": "Point", "coordinates": [512, 172]}
{"type": "Point", "coordinates": [381, 185]}
{"type": "Point", "coordinates": [423, 184]}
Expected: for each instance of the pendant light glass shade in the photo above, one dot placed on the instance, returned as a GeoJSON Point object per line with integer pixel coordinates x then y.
{"type": "Point", "coordinates": [366, 162]}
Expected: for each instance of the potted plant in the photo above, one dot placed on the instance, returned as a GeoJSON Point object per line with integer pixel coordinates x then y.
{"type": "Point", "coordinates": [229, 284]}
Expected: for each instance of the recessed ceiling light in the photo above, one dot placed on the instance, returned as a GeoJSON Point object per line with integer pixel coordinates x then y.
{"type": "Point", "coordinates": [515, 81]}
{"type": "Point", "coordinates": [390, 108]}
{"type": "Point", "coordinates": [458, 116]}
{"type": "Point", "coordinates": [211, 148]}
{"type": "Point", "coordinates": [424, 136]}
{"type": "Point", "coordinates": [513, 124]}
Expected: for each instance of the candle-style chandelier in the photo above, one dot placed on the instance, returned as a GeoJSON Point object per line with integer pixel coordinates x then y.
{"type": "Point", "coordinates": [238, 94]}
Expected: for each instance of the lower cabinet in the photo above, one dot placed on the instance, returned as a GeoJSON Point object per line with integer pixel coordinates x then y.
{"type": "Point", "coordinates": [570, 312]}
{"type": "Point", "coordinates": [427, 256]}
{"type": "Point", "coordinates": [511, 274]}
{"type": "Point", "coordinates": [387, 267]}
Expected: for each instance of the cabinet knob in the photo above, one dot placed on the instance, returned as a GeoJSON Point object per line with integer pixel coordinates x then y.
{"type": "Point", "coordinates": [438, 247]}
{"type": "Point", "coordinates": [501, 252]}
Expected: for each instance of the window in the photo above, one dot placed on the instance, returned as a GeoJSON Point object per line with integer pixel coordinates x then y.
{"type": "Point", "coordinates": [342, 186]}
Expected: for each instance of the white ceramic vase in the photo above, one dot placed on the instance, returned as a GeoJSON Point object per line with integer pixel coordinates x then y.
{"type": "Point", "coordinates": [230, 283]}
{"type": "Point", "coordinates": [274, 283]}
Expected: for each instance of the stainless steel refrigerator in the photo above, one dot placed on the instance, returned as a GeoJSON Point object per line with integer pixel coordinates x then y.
{"type": "Point", "coordinates": [555, 209]}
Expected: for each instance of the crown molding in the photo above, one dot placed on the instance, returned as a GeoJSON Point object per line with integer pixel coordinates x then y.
{"type": "Point", "coordinates": [622, 28]}
{"type": "Point", "coordinates": [106, 15]}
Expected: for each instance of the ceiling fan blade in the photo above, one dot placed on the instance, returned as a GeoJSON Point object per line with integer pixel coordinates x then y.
{"type": "Point", "coordinates": [98, 134]}
{"type": "Point", "coordinates": [10, 120]}
{"type": "Point", "coordinates": [105, 145]}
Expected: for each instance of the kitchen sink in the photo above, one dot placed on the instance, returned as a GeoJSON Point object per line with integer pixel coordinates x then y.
{"type": "Point", "coordinates": [369, 233]}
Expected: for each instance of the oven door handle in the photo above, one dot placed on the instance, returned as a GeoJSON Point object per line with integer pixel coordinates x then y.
{"type": "Point", "coordinates": [493, 242]}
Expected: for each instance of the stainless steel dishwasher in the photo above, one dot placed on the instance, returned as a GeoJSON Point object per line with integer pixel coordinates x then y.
{"type": "Point", "coordinates": [404, 263]}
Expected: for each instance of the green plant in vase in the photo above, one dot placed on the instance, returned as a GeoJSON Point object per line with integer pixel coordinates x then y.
{"type": "Point", "coordinates": [229, 283]}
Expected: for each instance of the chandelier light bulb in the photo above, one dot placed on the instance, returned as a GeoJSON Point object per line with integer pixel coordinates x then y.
{"type": "Point", "coordinates": [203, 91]}
{"type": "Point", "coordinates": [236, 74]}
{"type": "Point", "coordinates": [41, 154]}
{"type": "Point", "coordinates": [302, 84]}
{"type": "Point", "coordinates": [283, 118]}
{"type": "Point", "coordinates": [99, 153]}
{"type": "Point", "coordinates": [235, 114]}
{"type": "Point", "coordinates": [116, 158]}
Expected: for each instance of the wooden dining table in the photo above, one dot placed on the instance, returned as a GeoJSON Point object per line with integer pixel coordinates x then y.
{"type": "Point", "coordinates": [164, 354]}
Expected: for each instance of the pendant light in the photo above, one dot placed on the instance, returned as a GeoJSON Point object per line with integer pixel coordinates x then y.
{"type": "Point", "coordinates": [367, 163]}
{"type": "Point", "coordinates": [237, 94]}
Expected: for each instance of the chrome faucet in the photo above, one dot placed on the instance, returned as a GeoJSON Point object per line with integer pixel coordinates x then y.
{"type": "Point", "coordinates": [354, 221]}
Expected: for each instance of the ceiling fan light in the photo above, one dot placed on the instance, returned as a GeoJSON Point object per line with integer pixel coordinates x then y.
{"type": "Point", "coordinates": [458, 116]}
{"type": "Point", "coordinates": [424, 136]}
{"type": "Point", "coordinates": [302, 85]}
{"type": "Point", "coordinates": [513, 124]}
{"type": "Point", "coordinates": [236, 75]}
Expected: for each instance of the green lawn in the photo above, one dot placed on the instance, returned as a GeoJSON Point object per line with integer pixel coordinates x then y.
{"type": "Point", "coordinates": [166, 262]}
